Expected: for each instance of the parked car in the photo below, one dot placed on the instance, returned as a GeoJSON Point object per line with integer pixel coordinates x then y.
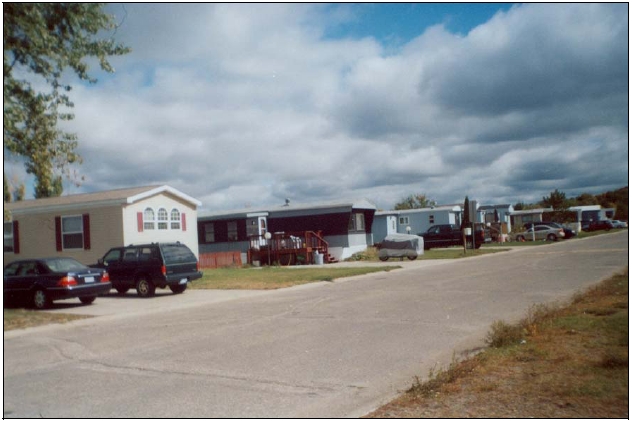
{"type": "Point", "coordinates": [619, 224]}
{"type": "Point", "coordinates": [604, 224]}
{"type": "Point", "coordinates": [148, 266]}
{"type": "Point", "coordinates": [568, 232]}
{"type": "Point", "coordinates": [542, 232]}
{"type": "Point", "coordinates": [39, 282]}
{"type": "Point", "coordinates": [401, 245]}
{"type": "Point", "coordinates": [447, 235]}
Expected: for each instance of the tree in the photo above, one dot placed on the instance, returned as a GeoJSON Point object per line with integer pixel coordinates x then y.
{"type": "Point", "coordinates": [556, 200]}
{"type": "Point", "coordinates": [41, 41]}
{"type": "Point", "coordinates": [466, 213]}
{"type": "Point", "coordinates": [416, 201]}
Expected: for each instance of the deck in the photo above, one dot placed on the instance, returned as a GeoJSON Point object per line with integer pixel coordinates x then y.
{"type": "Point", "coordinates": [288, 248]}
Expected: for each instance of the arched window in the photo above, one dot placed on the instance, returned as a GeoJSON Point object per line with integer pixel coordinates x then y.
{"type": "Point", "coordinates": [175, 219]}
{"type": "Point", "coordinates": [162, 219]}
{"type": "Point", "coordinates": [149, 219]}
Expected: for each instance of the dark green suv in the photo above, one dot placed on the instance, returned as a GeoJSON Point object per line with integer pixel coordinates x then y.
{"type": "Point", "coordinates": [147, 266]}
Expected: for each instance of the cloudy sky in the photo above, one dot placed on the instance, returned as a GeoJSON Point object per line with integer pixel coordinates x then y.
{"type": "Point", "coordinates": [248, 104]}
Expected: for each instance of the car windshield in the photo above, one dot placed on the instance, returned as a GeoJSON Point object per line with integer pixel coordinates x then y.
{"type": "Point", "coordinates": [177, 253]}
{"type": "Point", "coordinates": [65, 264]}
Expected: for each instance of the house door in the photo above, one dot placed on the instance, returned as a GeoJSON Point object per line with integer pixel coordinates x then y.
{"type": "Point", "coordinates": [263, 228]}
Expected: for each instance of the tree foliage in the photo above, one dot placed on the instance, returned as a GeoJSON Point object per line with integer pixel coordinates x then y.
{"type": "Point", "coordinates": [556, 200]}
{"type": "Point", "coordinates": [41, 41]}
{"type": "Point", "coordinates": [415, 201]}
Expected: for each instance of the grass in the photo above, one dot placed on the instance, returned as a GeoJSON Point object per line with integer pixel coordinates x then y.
{"type": "Point", "coordinates": [371, 254]}
{"type": "Point", "coordinates": [19, 318]}
{"type": "Point", "coordinates": [276, 277]}
{"type": "Point", "coordinates": [560, 361]}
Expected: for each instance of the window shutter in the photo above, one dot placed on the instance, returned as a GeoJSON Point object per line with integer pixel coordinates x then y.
{"type": "Point", "coordinates": [86, 231]}
{"type": "Point", "coordinates": [16, 237]}
{"type": "Point", "coordinates": [139, 218]}
{"type": "Point", "coordinates": [184, 221]}
{"type": "Point", "coordinates": [58, 233]}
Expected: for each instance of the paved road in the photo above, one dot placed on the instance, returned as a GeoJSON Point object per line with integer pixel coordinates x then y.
{"type": "Point", "coordinates": [322, 350]}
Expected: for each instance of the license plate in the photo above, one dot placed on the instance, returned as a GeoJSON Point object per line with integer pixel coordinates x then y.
{"type": "Point", "coordinates": [183, 281]}
{"type": "Point", "coordinates": [88, 279]}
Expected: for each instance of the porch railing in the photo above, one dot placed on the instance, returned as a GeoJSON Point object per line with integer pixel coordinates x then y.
{"type": "Point", "coordinates": [286, 248]}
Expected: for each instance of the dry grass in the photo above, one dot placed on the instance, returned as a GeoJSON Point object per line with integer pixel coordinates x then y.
{"type": "Point", "coordinates": [18, 318]}
{"type": "Point", "coordinates": [558, 362]}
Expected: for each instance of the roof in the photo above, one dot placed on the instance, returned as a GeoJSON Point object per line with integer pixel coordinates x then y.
{"type": "Point", "coordinates": [531, 211]}
{"type": "Point", "coordinates": [492, 207]}
{"type": "Point", "coordinates": [290, 208]}
{"type": "Point", "coordinates": [449, 208]}
{"type": "Point", "coordinates": [125, 196]}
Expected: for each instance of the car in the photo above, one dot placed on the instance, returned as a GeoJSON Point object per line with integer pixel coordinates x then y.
{"type": "Point", "coordinates": [39, 282]}
{"type": "Point", "coordinates": [619, 224]}
{"type": "Point", "coordinates": [542, 232]}
{"type": "Point", "coordinates": [401, 245]}
{"type": "Point", "coordinates": [150, 266]}
{"type": "Point", "coordinates": [604, 224]}
{"type": "Point", "coordinates": [568, 232]}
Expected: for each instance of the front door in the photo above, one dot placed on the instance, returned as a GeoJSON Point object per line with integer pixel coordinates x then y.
{"type": "Point", "coordinates": [263, 228]}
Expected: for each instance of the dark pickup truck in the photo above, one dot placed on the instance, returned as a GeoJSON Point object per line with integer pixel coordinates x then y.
{"type": "Point", "coordinates": [147, 266]}
{"type": "Point", "coordinates": [450, 235]}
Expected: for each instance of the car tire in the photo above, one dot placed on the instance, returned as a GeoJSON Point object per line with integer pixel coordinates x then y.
{"type": "Point", "coordinates": [87, 300]}
{"type": "Point", "coordinates": [552, 237]}
{"type": "Point", "coordinates": [520, 238]}
{"type": "Point", "coordinates": [178, 289]}
{"type": "Point", "coordinates": [40, 299]}
{"type": "Point", "coordinates": [145, 287]}
{"type": "Point", "coordinates": [121, 290]}
{"type": "Point", "coordinates": [412, 257]}
{"type": "Point", "coordinates": [384, 258]}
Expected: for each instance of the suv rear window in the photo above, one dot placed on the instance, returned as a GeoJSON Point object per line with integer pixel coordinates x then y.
{"type": "Point", "coordinates": [177, 253]}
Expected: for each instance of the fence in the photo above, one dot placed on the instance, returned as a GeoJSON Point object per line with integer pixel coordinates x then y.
{"type": "Point", "coordinates": [220, 259]}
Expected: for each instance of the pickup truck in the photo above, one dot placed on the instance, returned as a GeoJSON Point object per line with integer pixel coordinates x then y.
{"type": "Point", "coordinates": [450, 235]}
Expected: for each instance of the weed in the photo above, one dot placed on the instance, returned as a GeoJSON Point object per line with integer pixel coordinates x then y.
{"type": "Point", "coordinates": [502, 334]}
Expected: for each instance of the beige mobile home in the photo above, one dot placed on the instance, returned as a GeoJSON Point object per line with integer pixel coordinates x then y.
{"type": "Point", "coordinates": [85, 226]}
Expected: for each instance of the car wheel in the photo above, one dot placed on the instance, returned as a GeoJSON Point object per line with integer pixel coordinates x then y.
{"type": "Point", "coordinates": [412, 257]}
{"type": "Point", "coordinates": [41, 299]}
{"type": "Point", "coordinates": [121, 290]}
{"type": "Point", "coordinates": [145, 288]}
{"type": "Point", "coordinates": [520, 238]}
{"type": "Point", "coordinates": [552, 237]}
{"type": "Point", "coordinates": [87, 300]}
{"type": "Point", "coordinates": [178, 289]}
{"type": "Point", "coordinates": [384, 258]}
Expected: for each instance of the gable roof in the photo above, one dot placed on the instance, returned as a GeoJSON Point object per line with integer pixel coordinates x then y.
{"type": "Point", "coordinates": [125, 196]}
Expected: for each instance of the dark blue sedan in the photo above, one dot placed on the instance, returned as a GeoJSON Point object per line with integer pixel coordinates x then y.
{"type": "Point", "coordinates": [39, 282]}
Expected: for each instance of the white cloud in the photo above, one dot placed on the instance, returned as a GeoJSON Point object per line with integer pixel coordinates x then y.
{"type": "Point", "coordinates": [240, 104]}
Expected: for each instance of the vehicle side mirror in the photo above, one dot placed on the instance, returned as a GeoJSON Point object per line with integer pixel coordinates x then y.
{"type": "Point", "coordinates": [102, 263]}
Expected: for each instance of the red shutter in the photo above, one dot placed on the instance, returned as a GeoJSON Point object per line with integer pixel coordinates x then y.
{"type": "Point", "coordinates": [16, 237]}
{"type": "Point", "coordinates": [139, 219]}
{"type": "Point", "coordinates": [184, 221]}
{"type": "Point", "coordinates": [58, 233]}
{"type": "Point", "coordinates": [86, 231]}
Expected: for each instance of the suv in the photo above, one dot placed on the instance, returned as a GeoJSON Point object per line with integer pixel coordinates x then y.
{"type": "Point", "coordinates": [147, 266]}
{"type": "Point", "coordinates": [604, 224]}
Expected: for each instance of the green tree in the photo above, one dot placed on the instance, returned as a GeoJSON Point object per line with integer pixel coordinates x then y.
{"type": "Point", "coordinates": [41, 41]}
{"type": "Point", "coordinates": [466, 213]}
{"type": "Point", "coordinates": [556, 200]}
{"type": "Point", "coordinates": [415, 201]}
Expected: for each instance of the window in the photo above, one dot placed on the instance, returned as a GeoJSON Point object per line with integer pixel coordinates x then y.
{"type": "Point", "coordinates": [163, 219]}
{"type": "Point", "coordinates": [431, 219]}
{"type": "Point", "coordinates": [356, 222]}
{"type": "Point", "coordinates": [175, 219]}
{"type": "Point", "coordinates": [8, 237]}
{"type": "Point", "coordinates": [232, 231]}
{"type": "Point", "coordinates": [403, 220]}
{"type": "Point", "coordinates": [209, 233]}
{"type": "Point", "coordinates": [149, 219]}
{"type": "Point", "coordinates": [72, 232]}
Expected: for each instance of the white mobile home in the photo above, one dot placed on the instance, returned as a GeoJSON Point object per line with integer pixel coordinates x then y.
{"type": "Point", "coordinates": [85, 226]}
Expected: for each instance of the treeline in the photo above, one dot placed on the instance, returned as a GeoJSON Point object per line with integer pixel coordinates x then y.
{"type": "Point", "coordinates": [616, 199]}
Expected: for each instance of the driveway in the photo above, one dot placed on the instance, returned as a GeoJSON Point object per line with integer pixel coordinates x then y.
{"type": "Point", "coordinates": [322, 350]}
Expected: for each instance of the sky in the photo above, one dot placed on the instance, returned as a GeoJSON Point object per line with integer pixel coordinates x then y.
{"type": "Point", "coordinates": [245, 105]}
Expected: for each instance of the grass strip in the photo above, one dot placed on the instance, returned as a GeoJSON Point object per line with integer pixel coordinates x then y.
{"type": "Point", "coordinates": [19, 318]}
